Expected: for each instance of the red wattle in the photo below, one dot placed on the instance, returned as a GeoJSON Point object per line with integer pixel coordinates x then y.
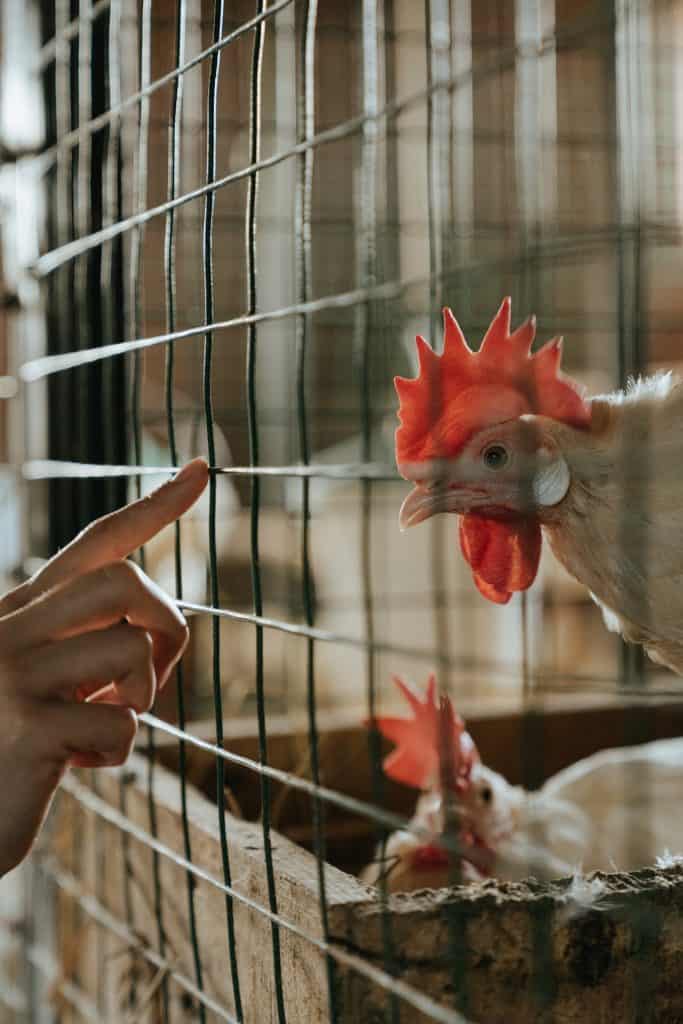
{"type": "Point", "coordinates": [503, 554]}
{"type": "Point", "coordinates": [430, 856]}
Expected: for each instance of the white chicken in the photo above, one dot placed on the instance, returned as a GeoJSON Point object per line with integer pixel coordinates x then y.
{"type": "Point", "coordinates": [615, 810]}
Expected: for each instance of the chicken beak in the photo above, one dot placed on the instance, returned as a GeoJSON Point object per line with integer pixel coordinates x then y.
{"type": "Point", "coordinates": [414, 509]}
{"type": "Point", "coordinates": [423, 503]}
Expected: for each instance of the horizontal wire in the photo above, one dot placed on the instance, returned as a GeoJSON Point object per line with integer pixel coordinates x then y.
{"type": "Point", "coordinates": [549, 683]}
{"type": "Point", "coordinates": [418, 1000]}
{"type": "Point", "coordinates": [470, 663]}
{"type": "Point", "coordinates": [362, 808]}
{"type": "Point", "coordinates": [48, 157]}
{"type": "Point", "coordinates": [57, 257]}
{"type": "Point", "coordinates": [328, 636]}
{"type": "Point", "coordinates": [373, 812]}
{"type": "Point", "coordinates": [49, 51]}
{"type": "Point", "coordinates": [56, 469]}
{"type": "Point", "coordinates": [46, 264]}
{"type": "Point", "coordinates": [41, 959]}
{"type": "Point", "coordinates": [98, 912]}
{"type": "Point", "coordinates": [36, 369]}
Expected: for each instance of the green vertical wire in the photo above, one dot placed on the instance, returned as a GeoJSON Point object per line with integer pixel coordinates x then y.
{"type": "Point", "coordinates": [137, 237]}
{"type": "Point", "coordinates": [211, 131]}
{"type": "Point", "coordinates": [170, 274]}
{"type": "Point", "coordinates": [438, 195]}
{"type": "Point", "coordinates": [631, 339]}
{"type": "Point", "coordinates": [632, 291]}
{"type": "Point", "coordinates": [304, 189]}
{"type": "Point", "coordinates": [156, 875]}
{"type": "Point", "coordinates": [368, 272]}
{"type": "Point", "coordinates": [83, 225]}
{"type": "Point", "coordinates": [250, 225]}
{"type": "Point", "coordinates": [110, 212]}
{"type": "Point", "coordinates": [145, 63]}
{"type": "Point", "coordinates": [436, 269]}
{"type": "Point", "coordinates": [110, 209]}
{"type": "Point", "coordinates": [135, 323]}
{"type": "Point", "coordinates": [80, 224]}
{"type": "Point", "coordinates": [63, 280]}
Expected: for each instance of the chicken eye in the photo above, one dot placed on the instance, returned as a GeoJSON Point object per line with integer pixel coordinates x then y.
{"type": "Point", "coordinates": [495, 456]}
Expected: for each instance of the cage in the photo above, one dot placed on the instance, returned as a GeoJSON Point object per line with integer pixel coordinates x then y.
{"type": "Point", "coordinates": [222, 228]}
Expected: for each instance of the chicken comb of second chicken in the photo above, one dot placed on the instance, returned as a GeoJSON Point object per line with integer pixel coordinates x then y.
{"type": "Point", "coordinates": [433, 734]}
{"type": "Point", "coordinates": [434, 752]}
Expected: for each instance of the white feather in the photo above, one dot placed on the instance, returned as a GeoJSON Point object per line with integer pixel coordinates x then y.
{"type": "Point", "coordinates": [583, 894]}
{"type": "Point", "coordinates": [669, 860]}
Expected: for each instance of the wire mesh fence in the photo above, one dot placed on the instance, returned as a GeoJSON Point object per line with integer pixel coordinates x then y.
{"type": "Point", "coordinates": [249, 212]}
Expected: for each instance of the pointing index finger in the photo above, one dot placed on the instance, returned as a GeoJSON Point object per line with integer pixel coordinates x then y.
{"type": "Point", "coordinates": [119, 534]}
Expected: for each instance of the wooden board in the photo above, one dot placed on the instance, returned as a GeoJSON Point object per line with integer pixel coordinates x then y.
{"type": "Point", "coordinates": [528, 954]}
{"type": "Point", "coordinates": [89, 846]}
{"type": "Point", "coordinates": [523, 952]}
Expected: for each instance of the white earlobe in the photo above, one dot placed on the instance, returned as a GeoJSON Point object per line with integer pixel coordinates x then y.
{"type": "Point", "coordinates": [551, 482]}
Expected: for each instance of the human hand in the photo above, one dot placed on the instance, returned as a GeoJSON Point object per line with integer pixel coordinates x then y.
{"type": "Point", "coordinates": [84, 646]}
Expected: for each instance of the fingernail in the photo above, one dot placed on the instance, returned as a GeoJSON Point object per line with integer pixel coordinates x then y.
{"type": "Point", "coordinates": [189, 471]}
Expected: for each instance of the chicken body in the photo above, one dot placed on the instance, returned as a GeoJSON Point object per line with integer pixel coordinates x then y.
{"type": "Point", "coordinates": [612, 811]}
{"type": "Point", "coordinates": [619, 529]}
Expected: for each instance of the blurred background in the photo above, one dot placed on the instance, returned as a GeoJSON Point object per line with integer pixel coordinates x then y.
{"type": "Point", "coordinates": [546, 167]}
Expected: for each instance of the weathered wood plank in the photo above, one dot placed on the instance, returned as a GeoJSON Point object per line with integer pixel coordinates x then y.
{"type": "Point", "coordinates": [532, 955]}
{"type": "Point", "coordinates": [304, 976]}
{"type": "Point", "coordinates": [526, 956]}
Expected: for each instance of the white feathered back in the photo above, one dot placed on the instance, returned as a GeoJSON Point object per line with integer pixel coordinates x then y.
{"type": "Point", "coordinates": [620, 529]}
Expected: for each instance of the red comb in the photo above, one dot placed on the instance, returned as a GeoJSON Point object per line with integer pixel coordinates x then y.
{"type": "Point", "coordinates": [416, 760]}
{"type": "Point", "coordinates": [461, 392]}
